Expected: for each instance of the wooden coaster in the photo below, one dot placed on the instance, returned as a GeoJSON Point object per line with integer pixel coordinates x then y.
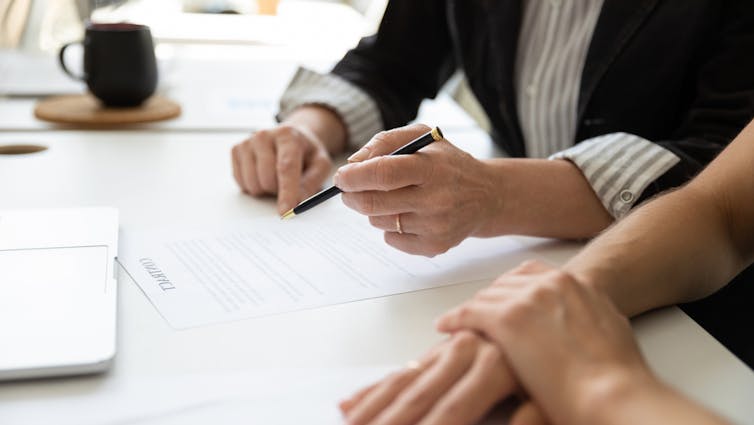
{"type": "Point", "coordinates": [85, 109]}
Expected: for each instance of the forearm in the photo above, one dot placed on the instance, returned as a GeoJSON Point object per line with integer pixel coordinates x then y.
{"type": "Point", "coordinates": [538, 197]}
{"type": "Point", "coordinates": [637, 401]}
{"type": "Point", "coordinates": [324, 123]}
{"type": "Point", "coordinates": [682, 246]}
{"type": "Point", "coordinates": [672, 250]}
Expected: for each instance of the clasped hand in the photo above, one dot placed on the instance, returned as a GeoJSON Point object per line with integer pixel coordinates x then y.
{"type": "Point", "coordinates": [427, 202]}
{"type": "Point", "coordinates": [536, 332]}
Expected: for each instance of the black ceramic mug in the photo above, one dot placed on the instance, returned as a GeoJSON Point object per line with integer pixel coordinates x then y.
{"type": "Point", "coordinates": [120, 68]}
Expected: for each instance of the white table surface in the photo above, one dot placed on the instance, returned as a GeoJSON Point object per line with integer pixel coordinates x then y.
{"type": "Point", "coordinates": [161, 177]}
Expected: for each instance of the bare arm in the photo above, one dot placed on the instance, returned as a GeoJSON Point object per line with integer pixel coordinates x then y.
{"type": "Point", "coordinates": [682, 246]}
{"type": "Point", "coordinates": [540, 197]}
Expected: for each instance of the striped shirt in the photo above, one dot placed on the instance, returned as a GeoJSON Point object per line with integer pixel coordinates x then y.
{"type": "Point", "coordinates": [553, 44]}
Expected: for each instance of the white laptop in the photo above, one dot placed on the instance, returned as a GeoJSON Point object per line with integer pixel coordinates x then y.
{"type": "Point", "coordinates": [57, 291]}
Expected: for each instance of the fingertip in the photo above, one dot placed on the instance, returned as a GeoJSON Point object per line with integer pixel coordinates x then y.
{"type": "Point", "coordinates": [358, 156]}
{"type": "Point", "coordinates": [444, 323]}
{"type": "Point", "coordinates": [285, 205]}
{"type": "Point", "coordinates": [440, 325]}
{"type": "Point", "coordinates": [338, 179]}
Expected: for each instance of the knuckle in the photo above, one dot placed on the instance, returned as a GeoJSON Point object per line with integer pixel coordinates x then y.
{"type": "Point", "coordinates": [452, 410]}
{"type": "Point", "coordinates": [383, 172]}
{"type": "Point", "coordinates": [563, 280]}
{"type": "Point", "coordinates": [364, 202]}
{"type": "Point", "coordinates": [511, 316]}
{"type": "Point", "coordinates": [368, 203]}
{"type": "Point", "coordinates": [489, 357]}
{"type": "Point", "coordinates": [266, 187]}
{"type": "Point", "coordinates": [260, 135]}
{"type": "Point", "coordinates": [420, 396]}
{"type": "Point", "coordinates": [462, 341]}
{"type": "Point", "coordinates": [246, 147]}
{"type": "Point", "coordinates": [530, 265]}
{"type": "Point", "coordinates": [542, 293]}
{"type": "Point", "coordinates": [378, 138]}
{"type": "Point", "coordinates": [286, 130]}
{"type": "Point", "coordinates": [396, 380]}
{"type": "Point", "coordinates": [285, 163]}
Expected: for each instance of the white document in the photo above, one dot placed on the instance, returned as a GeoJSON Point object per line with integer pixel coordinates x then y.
{"type": "Point", "coordinates": [262, 266]}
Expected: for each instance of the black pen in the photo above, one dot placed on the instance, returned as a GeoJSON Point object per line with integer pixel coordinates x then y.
{"type": "Point", "coordinates": [411, 147]}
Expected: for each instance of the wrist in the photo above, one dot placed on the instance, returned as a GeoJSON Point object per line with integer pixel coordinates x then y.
{"type": "Point", "coordinates": [621, 393]}
{"type": "Point", "coordinates": [323, 123]}
{"type": "Point", "coordinates": [495, 202]}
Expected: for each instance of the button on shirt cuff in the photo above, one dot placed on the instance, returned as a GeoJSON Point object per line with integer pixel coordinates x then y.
{"type": "Point", "coordinates": [619, 166]}
{"type": "Point", "coordinates": [357, 110]}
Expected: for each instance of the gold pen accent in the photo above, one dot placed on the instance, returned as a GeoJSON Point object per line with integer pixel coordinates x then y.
{"type": "Point", "coordinates": [436, 134]}
{"type": "Point", "coordinates": [288, 215]}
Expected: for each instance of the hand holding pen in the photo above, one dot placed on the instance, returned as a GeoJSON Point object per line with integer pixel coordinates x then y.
{"type": "Point", "coordinates": [427, 202]}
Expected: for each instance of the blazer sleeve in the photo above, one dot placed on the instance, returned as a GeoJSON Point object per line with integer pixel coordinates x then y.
{"type": "Point", "coordinates": [407, 60]}
{"type": "Point", "coordinates": [724, 101]}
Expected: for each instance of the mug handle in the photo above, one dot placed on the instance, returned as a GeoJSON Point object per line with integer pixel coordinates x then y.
{"type": "Point", "coordinates": [61, 58]}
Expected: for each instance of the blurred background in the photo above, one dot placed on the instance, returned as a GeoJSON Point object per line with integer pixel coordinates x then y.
{"type": "Point", "coordinates": [44, 25]}
{"type": "Point", "coordinates": [225, 61]}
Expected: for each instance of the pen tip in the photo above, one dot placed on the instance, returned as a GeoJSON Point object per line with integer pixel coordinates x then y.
{"type": "Point", "coordinates": [287, 215]}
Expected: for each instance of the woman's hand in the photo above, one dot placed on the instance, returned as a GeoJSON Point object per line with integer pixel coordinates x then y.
{"type": "Point", "coordinates": [291, 160]}
{"type": "Point", "coordinates": [456, 383]}
{"type": "Point", "coordinates": [427, 202]}
{"type": "Point", "coordinates": [566, 343]}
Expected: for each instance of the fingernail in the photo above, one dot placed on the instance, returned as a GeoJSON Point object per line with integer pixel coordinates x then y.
{"type": "Point", "coordinates": [338, 175]}
{"type": "Point", "coordinates": [358, 156]}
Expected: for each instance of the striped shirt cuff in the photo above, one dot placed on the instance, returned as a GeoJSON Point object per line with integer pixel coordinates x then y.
{"type": "Point", "coordinates": [357, 110]}
{"type": "Point", "coordinates": [619, 166]}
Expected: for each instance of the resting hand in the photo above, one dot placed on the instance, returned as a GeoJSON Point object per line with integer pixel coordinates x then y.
{"type": "Point", "coordinates": [441, 194]}
{"type": "Point", "coordinates": [566, 343]}
{"type": "Point", "coordinates": [456, 383]}
{"type": "Point", "coordinates": [288, 160]}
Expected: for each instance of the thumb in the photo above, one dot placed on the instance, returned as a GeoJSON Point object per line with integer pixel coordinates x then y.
{"type": "Point", "coordinates": [386, 142]}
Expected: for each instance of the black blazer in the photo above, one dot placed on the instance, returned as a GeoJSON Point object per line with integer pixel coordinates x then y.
{"type": "Point", "coordinates": [677, 72]}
